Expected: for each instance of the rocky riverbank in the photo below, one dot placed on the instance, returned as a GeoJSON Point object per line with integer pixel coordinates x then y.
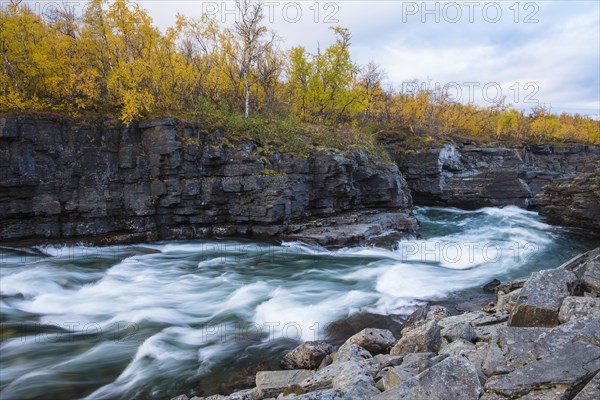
{"type": "Point", "coordinates": [166, 180]}
{"type": "Point", "coordinates": [469, 176]}
{"type": "Point", "coordinates": [573, 203]}
{"type": "Point", "coordinates": [539, 340]}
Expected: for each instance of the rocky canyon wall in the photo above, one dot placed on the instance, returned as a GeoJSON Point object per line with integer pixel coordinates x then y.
{"type": "Point", "coordinates": [169, 180]}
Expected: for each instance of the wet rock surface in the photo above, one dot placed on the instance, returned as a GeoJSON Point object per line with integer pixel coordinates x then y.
{"type": "Point", "coordinates": [481, 356]}
{"type": "Point", "coordinates": [168, 180]}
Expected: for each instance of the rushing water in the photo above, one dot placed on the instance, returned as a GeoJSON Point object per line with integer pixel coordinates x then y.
{"type": "Point", "coordinates": [156, 320]}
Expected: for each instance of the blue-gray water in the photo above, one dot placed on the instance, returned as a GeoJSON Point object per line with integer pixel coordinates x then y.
{"type": "Point", "coordinates": [156, 320]}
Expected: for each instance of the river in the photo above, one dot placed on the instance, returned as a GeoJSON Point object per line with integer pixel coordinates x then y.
{"type": "Point", "coordinates": [159, 319]}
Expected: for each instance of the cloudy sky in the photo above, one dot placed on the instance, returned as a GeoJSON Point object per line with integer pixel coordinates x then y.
{"type": "Point", "coordinates": [532, 52]}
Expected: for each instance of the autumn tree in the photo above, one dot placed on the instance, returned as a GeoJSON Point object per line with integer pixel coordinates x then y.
{"type": "Point", "coordinates": [251, 44]}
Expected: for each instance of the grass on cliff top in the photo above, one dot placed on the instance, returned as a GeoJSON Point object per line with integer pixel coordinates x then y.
{"type": "Point", "coordinates": [288, 134]}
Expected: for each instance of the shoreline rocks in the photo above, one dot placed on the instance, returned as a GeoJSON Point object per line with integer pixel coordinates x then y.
{"type": "Point", "coordinates": [549, 354]}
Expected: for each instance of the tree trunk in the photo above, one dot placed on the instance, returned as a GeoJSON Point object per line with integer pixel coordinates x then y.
{"type": "Point", "coordinates": [247, 104]}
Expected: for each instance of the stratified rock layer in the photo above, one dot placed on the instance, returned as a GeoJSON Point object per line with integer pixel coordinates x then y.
{"type": "Point", "coordinates": [573, 202]}
{"type": "Point", "coordinates": [469, 177]}
{"type": "Point", "coordinates": [168, 180]}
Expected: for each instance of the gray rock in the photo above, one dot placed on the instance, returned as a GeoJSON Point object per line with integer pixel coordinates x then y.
{"type": "Point", "coordinates": [374, 341]}
{"type": "Point", "coordinates": [564, 370]}
{"type": "Point", "coordinates": [573, 202]}
{"type": "Point", "coordinates": [487, 333]}
{"type": "Point", "coordinates": [386, 360]}
{"type": "Point", "coordinates": [422, 338]}
{"type": "Point", "coordinates": [458, 331]}
{"type": "Point", "coordinates": [453, 378]}
{"type": "Point", "coordinates": [475, 319]}
{"type": "Point", "coordinates": [491, 286]}
{"type": "Point", "coordinates": [323, 379]}
{"type": "Point", "coordinates": [181, 397]}
{"type": "Point", "coordinates": [458, 348]}
{"type": "Point", "coordinates": [591, 278]}
{"type": "Point", "coordinates": [415, 363]}
{"type": "Point", "coordinates": [506, 302]}
{"type": "Point", "coordinates": [391, 377]}
{"type": "Point", "coordinates": [541, 297]}
{"type": "Point", "coordinates": [328, 394]}
{"type": "Point", "coordinates": [585, 330]}
{"type": "Point", "coordinates": [247, 394]}
{"type": "Point", "coordinates": [508, 287]}
{"type": "Point", "coordinates": [308, 355]}
{"type": "Point", "coordinates": [577, 307]}
{"type": "Point", "coordinates": [495, 362]}
{"type": "Point", "coordinates": [425, 312]}
{"type": "Point", "coordinates": [591, 391]}
{"type": "Point", "coordinates": [352, 352]}
{"type": "Point", "coordinates": [271, 383]}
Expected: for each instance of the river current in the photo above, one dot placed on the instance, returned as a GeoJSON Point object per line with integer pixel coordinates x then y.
{"type": "Point", "coordinates": [160, 319]}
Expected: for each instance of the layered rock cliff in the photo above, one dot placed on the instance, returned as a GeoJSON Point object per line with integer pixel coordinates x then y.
{"type": "Point", "coordinates": [169, 180]}
{"type": "Point", "coordinates": [573, 202]}
{"type": "Point", "coordinates": [467, 176]}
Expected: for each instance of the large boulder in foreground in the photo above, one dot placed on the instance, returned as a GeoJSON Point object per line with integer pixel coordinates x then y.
{"type": "Point", "coordinates": [541, 298]}
{"type": "Point", "coordinates": [452, 379]}
{"type": "Point", "coordinates": [563, 371]}
{"type": "Point", "coordinates": [308, 355]}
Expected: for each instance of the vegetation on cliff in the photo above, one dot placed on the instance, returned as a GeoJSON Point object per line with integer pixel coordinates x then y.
{"type": "Point", "coordinates": [115, 62]}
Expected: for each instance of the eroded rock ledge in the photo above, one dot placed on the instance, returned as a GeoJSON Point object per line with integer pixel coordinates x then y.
{"type": "Point", "coordinates": [470, 177]}
{"type": "Point", "coordinates": [574, 202]}
{"type": "Point", "coordinates": [169, 180]}
{"type": "Point", "coordinates": [539, 340]}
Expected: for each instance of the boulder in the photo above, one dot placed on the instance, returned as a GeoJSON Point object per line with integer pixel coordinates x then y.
{"type": "Point", "coordinates": [323, 379]}
{"type": "Point", "coordinates": [422, 338]}
{"type": "Point", "coordinates": [461, 330]}
{"type": "Point", "coordinates": [591, 277]}
{"type": "Point", "coordinates": [271, 383]}
{"type": "Point", "coordinates": [563, 371]}
{"type": "Point", "coordinates": [541, 298]}
{"type": "Point", "coordinates": [386, 360]}
{"type": "Point", "coordinates": [392, 377]}
{"type": "Point", "coordinates": [308, 355]}
{"type": "Point", "coordinates": [578, 307]}
{"type": "Point", "coordinates": [584, 330]}
{"type": "Point", "coordinates": [415, 363]}
{"type": "Point", "coordinates": [491, 286]}
{"type": "Point", "coordinates": [352, 352]}
{"type": "Point", "coordinates": [452, 379]}
{"type": "Point", "coordinates": [506, 302]}
{"type": "Point", "coordinates": [591, 391]}
{"type": "Point", "coordinates": [375, 341]}
{"type": "Point", "coordinates": [458, 348]}
{"type": "Point", "coordinates": [425, 313]}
